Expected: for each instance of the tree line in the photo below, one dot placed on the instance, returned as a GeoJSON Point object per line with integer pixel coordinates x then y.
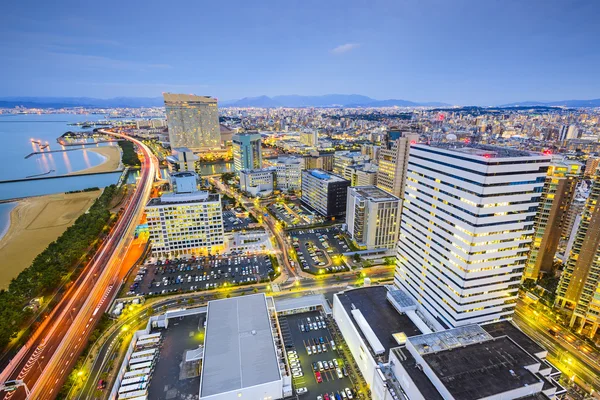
{"type": "Point", "coordinates": [130, 157]}
{"type": "Point", "coordinates": [53, 265]}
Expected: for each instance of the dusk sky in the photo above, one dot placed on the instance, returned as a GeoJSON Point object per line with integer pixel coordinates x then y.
{"type": "Point", "coordinates": [460, 52]}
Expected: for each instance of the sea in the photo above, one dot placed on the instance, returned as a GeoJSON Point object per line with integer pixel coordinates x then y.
{"type": "Point", "coordinates": [23, 134]}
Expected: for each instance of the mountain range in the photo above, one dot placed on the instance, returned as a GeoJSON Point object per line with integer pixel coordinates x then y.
{"type": "Point", "coordinates": [328, 100]}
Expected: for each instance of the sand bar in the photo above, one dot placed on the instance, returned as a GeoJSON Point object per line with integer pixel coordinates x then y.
{"type": "Point", "coordinates": [112, 160]}
{"type": "Point", "coordinates": [35, 223]}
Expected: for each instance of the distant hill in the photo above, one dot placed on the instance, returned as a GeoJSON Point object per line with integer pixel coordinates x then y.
{"type": "Point", "coordinates": [562, 103]}
{"type": "Point", "coordinates": [328, 100]}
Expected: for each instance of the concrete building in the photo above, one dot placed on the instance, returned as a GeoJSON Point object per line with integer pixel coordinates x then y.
{"type": "Point", "coordinates": [557, 196]}
{"type": "Point", "coordinates": [400, 357]}
{"type": "Point", "coordinates": [372, 217]}
{"type": "Point", "coordinates": [182, 159]}
{"type": "Point", "coordinates": [193, 121]}
{"type": "Point", "coordinates": [591, 166]}
{"type": "Point", "coordinates": [185, 222]}
{"type": "Point", "coordinates": [246, 148]}
{"type": "Point", "coordinates": [345, 159]}
{"type": "Point", "coordinates": [310, 139]}
{"type": "Point", "coordinates": [258, 182]}
{"type": "Point", "coordinates": [393, 161]}
{"type": "Point", "coordinates": [466, 226]}
{"type": "Point", "coordinates": [319, 160]}
{"type": "Point", "coordinates": [324, 192]}
{"type": "Point", "coordinates": [579, 283]}
{"type": "Point", "coordinates": [361, 175]}
{"type": "Point", "coordinates": [184, 182]}
{"type": "Point", "coordinates": [289, 173]}
{"type": "Point", "coordinates": [241, 358]}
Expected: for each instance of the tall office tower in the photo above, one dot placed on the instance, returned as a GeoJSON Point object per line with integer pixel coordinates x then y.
{"type": "Point", "coordinates": [579, 283]}
{"type": "Point", "coordinates": [557, 196]}
{"type": "Point", "coordinates": [572, 132]}
{"type": "Point", "coordinates": [372, 217]}
{"type": "Point", "coordinates": [562, 133]}
{"type": "Point", "coordinates": [576, 208]}
{"type": "Point", "coordinates": [466, 225]}
{"type": "Point", "coordinates": [393, 161]}
{"type": "Point", "coordinates": [324, 192]}
{"type": "Point", "coordinates": [193, 121]}
{"type": "Point", "coordinates": [289, 173]}
{"type": "Point", "coordinates": [246, 151]}
{"type": "Point", "coordinates": [186, 221]}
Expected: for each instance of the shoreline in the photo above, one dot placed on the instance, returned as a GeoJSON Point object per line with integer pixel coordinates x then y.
{"type": "Point", "coordinates": [111, 160]}
{"type": "Point", "coordinates": [34, 223]}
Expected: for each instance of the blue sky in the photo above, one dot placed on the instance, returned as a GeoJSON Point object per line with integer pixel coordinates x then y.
{"type": "Point", "coordinates": [460, 52]}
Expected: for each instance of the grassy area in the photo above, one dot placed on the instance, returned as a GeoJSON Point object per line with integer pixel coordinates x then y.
{"type": "Point", "coordinates": [129, 157]}
{"type": "Point", "coordinates": [54, 266]}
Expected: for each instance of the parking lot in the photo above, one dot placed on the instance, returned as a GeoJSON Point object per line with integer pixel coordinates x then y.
{"type": "Point", "coordinates": [293, 214]}
{"type": "Point", "coordinates": [202, 273]}
{"type": "Point", "coordinates": [319, 250]}
{"type": "Point", "coordinates": [310, 348]}
{"type": "Point", "coordinates": [235, 221]}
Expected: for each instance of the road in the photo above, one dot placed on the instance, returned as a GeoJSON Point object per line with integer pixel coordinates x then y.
{"type": "Point", "coordinates": [575, 360]}
{"type": "Point", "coordinates": [110, 348]}
{"type": "Point", "coordinates": [48, 359]}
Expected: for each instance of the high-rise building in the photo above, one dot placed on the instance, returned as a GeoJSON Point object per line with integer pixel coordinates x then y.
{"type": "Point", "coordinates": [580, 280]}
{"type": "Point", "coordinates": [324, 192]}
{"type": "Point", "coordinates": [557, 196]}
{"type": "Point", "coordinates": [310, 139]}
{"type": "Point", "coordinates": [246, 149]}
{"type": "Point", "coordinates": [466, 225]}
{"type": "Point", "coordinates": [289, 173]}
{"type": "Point", "coordinates": [591, 166]}
{"type": "Point", "coordinates": [186, 221]}
{"type": "Point", "coordinates": [319, 160]}
{"type": "Point", "coordinates": [182, 159]}
{"type": "Point", "coordinates": [193, 121]}
{"type": "Point", "coordinates": [393, 161]}
{"type": "Point", "coordinates": [372, 217]}
{"type": "Point", "coordinates": [344, 159]}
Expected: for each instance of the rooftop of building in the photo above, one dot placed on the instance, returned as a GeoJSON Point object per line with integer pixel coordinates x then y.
{"type": "Point", "coordinates": [184, 174]}
{"type": "Point", "coordinates": [380, 315]}
{"type": "Point", "coordinates": [483, 150]}
{"type": "Point", "coordinates": [187, 98]}
{"type": "Point", "coordinates": [480, 370]}
{"type": "Point", "coordinates": [251, 135]}
{"type": "Point", "coordinates": [373, 193]}
{"type": "Point", "coordinates": [417, 375]}
{"type": "Point", "coordinates": [506, 328]}
{"type": "Point", "coordinates": [257, 170]}
{"type": "Point", "coordinates": [289, 160]}
{"type": "Point", "coordinates": [169, 199]}
{"type": "Point", "coordinates": [239, 349]}
{"type": "Point", "coordinates": [324, 175]}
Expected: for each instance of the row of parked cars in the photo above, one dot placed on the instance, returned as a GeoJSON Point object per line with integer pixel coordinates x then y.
{"type": "Point", "coordinates": [295, 364]}
{"type": "Point", "coordinates": [318, 346]}
{"type": "Point", "coordinates": [333, 365]}
{"type": "Point", "coordinates": [339, 395]}
{"type": "Point", "coordinates": [313, 324]}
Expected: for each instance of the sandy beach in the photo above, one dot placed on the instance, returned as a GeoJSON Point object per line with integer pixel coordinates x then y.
{"type": "Point", "coordinates": [36, 222]}
{"type": "Point", "coordinates": [112, 160]}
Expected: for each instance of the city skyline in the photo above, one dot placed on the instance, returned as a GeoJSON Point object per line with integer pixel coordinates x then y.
{"type": "Point", "coordinates": [434, 51]}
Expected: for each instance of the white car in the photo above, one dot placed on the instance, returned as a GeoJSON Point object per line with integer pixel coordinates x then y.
{"type": "Point", "coordinates": [308, 350]}
{"type": "Point", "coordinates": [339, 373]}
{"type": "Point", "coordinates": [349, 393]}
{"type": "Point", "coordinates": [297, 374]}
{"type": "Point", "coordinates": [301, 390]}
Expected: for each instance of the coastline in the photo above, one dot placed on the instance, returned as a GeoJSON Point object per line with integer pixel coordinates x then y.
{"type": "Point", "coordinates": [36, 222]}
{"type": "Point", "coordinates": [112, 160]}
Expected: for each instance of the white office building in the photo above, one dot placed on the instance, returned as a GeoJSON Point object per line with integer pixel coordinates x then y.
{"type": "Point", "coordinates": [258, 182]}
{"type": "Point", "coordinates": [289, 173]}
{"type": "Point", "coordinates": [185, 222]}
{"type": "Point", "coordinates": [372, 217]}
{"type": "Point", "coordinates": [466, 227]}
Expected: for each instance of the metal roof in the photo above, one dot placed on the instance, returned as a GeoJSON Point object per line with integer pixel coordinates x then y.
{"type": "Point", "coordinates": [239, 349]}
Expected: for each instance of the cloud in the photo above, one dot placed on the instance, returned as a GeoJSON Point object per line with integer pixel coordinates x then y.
{"type": "Point", "coordinates": [344, 48]}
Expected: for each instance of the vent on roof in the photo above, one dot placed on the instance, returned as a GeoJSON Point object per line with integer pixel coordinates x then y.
{"type": "Point", "coordinates": [253, 332]}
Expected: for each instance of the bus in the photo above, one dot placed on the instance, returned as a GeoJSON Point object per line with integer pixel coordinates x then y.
{"type": "Point", "coordinates": [134, 395]}
{"type": "Point", "coordinates": [150, 336]}
{"type": "Point", "coordinates": [137, 372]}
{"type": "Point", "coordinates": [133, 388]}
{"type": "Point", "coordinates": [143, 353]}
{"type": "Point", "coordinates": [147, 343]}
{"type": "Point", "coordinates": [148, 364]}
{"type": "Point", "coordinates": [141, 360]}
{"type": "Point", "coordinates": [135, 379]}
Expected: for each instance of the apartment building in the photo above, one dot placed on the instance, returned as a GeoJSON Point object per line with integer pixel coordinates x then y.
{"type": "Point", "coordinates": [393, 160]}
{"type": "Point", "coordinates": [289, 173]}
{"type": "Point", "coordinates": [324, 192]}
